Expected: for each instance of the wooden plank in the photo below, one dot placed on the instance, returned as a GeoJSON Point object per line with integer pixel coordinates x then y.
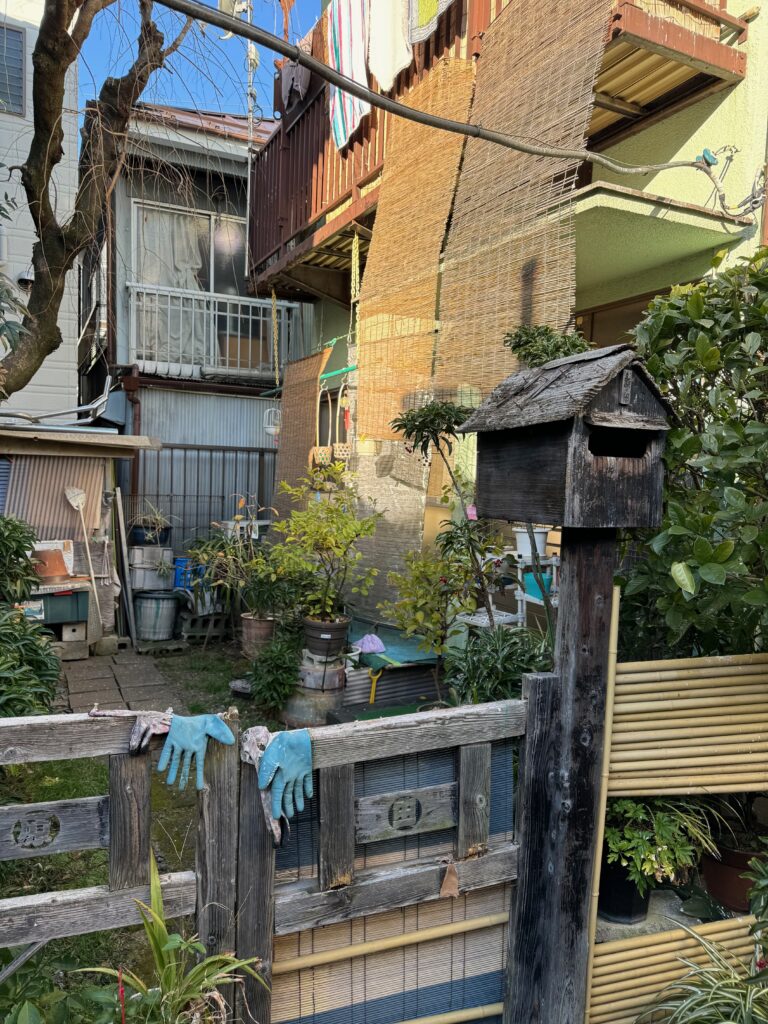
{"type": "Point", "coordinates": [218, 805]}
{"type": "Point", "coordinates": [59, 826]}
{"type": "Point", "coordinates": [353, 742]}
{"type": "Point", "coordinates": [385, 816]}
{"type": "Point", "coordinates": [255, 897]}
{"type": "Point", "coordinates": [126, 578]}
{"type": "Point", "coordinates": [62, 737]}
{"type": "Point", "coordinates": [56, 915]}
{"type": "Point", "coordinates": [336, 853]}
{"type": "Point", "coordinates": [130, 820]}
{"type": "Point", "coordinates": [560, 784]}
{"type": "Point", "coordinates": [474, 800]}
{"type": "Point", "coordinates": [301, 905]}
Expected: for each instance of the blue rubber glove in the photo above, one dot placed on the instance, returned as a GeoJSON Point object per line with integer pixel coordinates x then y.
{"type": "Point", "coordinates": [189, 736]}
{"type": "Point", "coordinates": [286, 766]}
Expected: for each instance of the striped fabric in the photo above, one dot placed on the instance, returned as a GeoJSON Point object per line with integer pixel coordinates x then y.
{"type": "Point", "coordinates": [423, 17]}
{"type": "Point", "coordinates": [347, 42]}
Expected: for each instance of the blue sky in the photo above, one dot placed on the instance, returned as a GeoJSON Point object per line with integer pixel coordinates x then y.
{"type": "Point", "coordinates": [206, 72]}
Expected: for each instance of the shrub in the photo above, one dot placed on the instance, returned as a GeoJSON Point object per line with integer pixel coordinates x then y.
{"type": "Point", "coordinates": [493, 663]}
{"type": "Point", "coordinates": [701, 585]}
{"type": "Point", "coordinates": [29, 668]}
{"type": "Point", "coordinates": [535, 346]}
{"type": "Point", "coordinates": [17, 568]}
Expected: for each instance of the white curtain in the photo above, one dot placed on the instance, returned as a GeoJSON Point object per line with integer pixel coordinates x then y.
{"type": "Point", "coordinates": [174, 253]}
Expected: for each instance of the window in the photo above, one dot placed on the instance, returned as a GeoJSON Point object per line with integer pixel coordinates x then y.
{"type": "Point", "coordinates": [192, 251]}
{"type": "Point", "coordinates": [11, 71]}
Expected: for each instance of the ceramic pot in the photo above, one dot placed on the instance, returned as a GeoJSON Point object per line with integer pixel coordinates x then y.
{"type": "Point", "coordinates": [326, 639]}
{"type": "Point", "coordinates": [723, 877]}
{"type": "Point", "coordinates": [256, 634]}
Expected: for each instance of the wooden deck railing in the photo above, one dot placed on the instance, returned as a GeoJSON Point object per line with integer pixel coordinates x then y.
{"type": "Point", "coordinates": [301, 181]}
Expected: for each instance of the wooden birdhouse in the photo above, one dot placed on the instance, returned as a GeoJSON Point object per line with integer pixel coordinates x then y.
{"type": "Point", "coordinates": [575, 443]}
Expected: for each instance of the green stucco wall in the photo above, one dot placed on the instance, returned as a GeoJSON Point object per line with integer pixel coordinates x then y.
{"type": "Point", "coordinates": [737, 116]}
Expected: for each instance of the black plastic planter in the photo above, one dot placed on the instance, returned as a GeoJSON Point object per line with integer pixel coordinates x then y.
{"type": "Point", "coordinates": [619, 899]}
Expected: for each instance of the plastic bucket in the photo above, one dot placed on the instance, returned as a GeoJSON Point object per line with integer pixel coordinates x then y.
{"type": "Point", "coordinates": [155, 615]}
{"type": "Point", "coordinates": [523, 542]}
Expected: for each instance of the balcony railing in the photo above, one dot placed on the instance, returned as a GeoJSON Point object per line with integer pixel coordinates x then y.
{"type": "Point", "coordinates": [660, 55]}
{"type": "Point", "coordinates": [178, 333]}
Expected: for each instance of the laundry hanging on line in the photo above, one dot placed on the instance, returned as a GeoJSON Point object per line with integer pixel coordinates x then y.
{"type": "Point", "coordinates": [347, 44]}
{"type": "Point", "coordinates": [422, 18]}
{"type": "Point", "coordinates": [389, 49]}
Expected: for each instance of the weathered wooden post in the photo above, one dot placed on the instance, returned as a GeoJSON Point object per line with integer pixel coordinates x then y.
{"type": "Point", "coordinates": [576, 443]}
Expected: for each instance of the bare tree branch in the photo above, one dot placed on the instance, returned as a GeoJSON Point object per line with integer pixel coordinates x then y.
{"type": "Point", "coordinates": [179, 38]}
{"type": "Point", "coordinates": [64, 28]}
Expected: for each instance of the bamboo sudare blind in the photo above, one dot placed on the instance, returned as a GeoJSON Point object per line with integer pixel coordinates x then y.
{"type": "Point", "coordinates": [629, 974]}
{"type": "Point", "coordinates": [510, 252]}
{"type": "Point", "coordinates": [398, 298]}
{"type": "Point", "coordinates": [691, 725]}
{"type": "Point", "coordinates": [297, 434]}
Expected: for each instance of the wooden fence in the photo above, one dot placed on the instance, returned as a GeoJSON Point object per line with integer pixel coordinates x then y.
{"type": "Point", "coordinates": [243, 892]}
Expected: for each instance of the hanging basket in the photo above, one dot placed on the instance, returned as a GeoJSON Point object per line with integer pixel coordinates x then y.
{"type": "Point", "coordinates": [342, 450]}
{"type": "Point", "coordinates": [322, 455]}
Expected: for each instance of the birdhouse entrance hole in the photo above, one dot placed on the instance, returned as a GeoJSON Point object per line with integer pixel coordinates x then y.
{"type": "Point", "coordinates": [618, 442]}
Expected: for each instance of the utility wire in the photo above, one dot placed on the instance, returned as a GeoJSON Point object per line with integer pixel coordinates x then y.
{"type": "Point", "coordinates": [212, 16]}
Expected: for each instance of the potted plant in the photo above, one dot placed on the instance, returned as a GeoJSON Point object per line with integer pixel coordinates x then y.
{"type": "Point", "coordinates": [720, 986]}
{"type": "Point", "coordinates": [492, 664]}
{"type": "Point", "coordinates": [739, 839]}
{"type": "Point", "coordinates": [648, 841]}
{"type": "Point", "coordinates": [275, 672]}
{"type": "Point", "coordinates": [150, 526]}
{"type": "Point", "coordinates": [324, 532]}
{"type": "Point", "coordinates": [535, 345]}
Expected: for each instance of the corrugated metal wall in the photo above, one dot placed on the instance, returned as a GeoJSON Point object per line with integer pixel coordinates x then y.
{"type": "Point", "coordinates": [36, 493]}
{"type": "Point", "coordinates": [215, 449]}
{"type": "Point", "coordinates": [188, 417]}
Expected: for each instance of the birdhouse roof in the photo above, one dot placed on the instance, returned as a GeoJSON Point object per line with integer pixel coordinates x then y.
{"type": "Point", "coordinates": [556, 391]}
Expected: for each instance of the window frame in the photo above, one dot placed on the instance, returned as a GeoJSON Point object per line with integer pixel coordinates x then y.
{"type": "Point", "coordinates": [23, 33]}
{"type": "Point", "coordinates": [138, 205]}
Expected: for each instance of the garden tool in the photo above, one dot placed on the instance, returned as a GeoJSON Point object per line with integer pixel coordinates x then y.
{"type": "Point", "coordinates": [76, 498]}
{"type": "Point", "coordinates": [189, 737]}
{"type": "Point", "coordinates": [254, 742]}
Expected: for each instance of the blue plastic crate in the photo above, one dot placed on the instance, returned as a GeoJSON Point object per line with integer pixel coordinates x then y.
{"type": "Point", "coordinates": [184, 573]}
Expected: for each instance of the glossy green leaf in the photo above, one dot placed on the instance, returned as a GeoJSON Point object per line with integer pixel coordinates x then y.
{"type": "Point", "coordinates": [712, 572]}
{"type": "Point", "coordinates": [723, 551]}
{"type": "Point", "coordinates": [683, 577]}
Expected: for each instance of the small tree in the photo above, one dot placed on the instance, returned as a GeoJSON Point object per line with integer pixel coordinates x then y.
{"type": "Point", "coordinates": [537, 345]}
{"type": "Point", "coordinates": [701, 584]}
{"type": "Point", "coordinates": [433, 429]}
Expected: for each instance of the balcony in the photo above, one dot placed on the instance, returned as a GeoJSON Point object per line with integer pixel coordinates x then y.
{"type": "Point", "coordinates": [310, 199]}
{"type": "Point", "coordinates": [195, 334]}
{"type": "Point", "coordinates": [661, 55]}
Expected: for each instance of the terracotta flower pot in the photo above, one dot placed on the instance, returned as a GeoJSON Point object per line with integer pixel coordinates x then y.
{"type": "Point", "coordinates": [257, 633]}
{"type": "Point", "coordinates": [326, 639]}
{"type": "Point", "coordinates": [723, 877]}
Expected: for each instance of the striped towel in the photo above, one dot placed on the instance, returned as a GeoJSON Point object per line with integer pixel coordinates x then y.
{"type": "Point", "coordinates": [347, 39]}
{"type": "Point", "coordinates": [423, 18]}
{"type": "Point", "coordinates": [388, 48]}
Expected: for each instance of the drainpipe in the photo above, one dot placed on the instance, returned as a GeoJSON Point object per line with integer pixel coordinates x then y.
{"type": "Point", "coordinates": [131, 388]}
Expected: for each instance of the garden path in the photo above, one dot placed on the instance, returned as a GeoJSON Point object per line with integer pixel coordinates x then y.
{"type": "Point", "coordinates": [123, 680]}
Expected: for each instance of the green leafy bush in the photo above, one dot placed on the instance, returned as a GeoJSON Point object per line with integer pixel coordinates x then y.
{"type": "Point", "coordinates": [323, 535]}
{"type": "Point", "coordinates": [17, 568]}
{"type": "Point", "coordinates": [658, 839]}
{"type": "Point", "coordinates": [535, 346]}
{"type": "Point", "coordinates": [275, 672]}
{"type": "Point", "coordinates": [493, 663]}
{"type": "Point", "coordinates": [29, 668]}
{"type": "Point", "coordinates": [701, 585]}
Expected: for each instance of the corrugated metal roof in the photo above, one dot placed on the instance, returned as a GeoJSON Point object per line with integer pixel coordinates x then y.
{"type": "Point", "coordinates": [188, 417]}
{"type": "Point", "coordinates": [36, 494]}
{"type": "Point", "coordinates": [211, 122]}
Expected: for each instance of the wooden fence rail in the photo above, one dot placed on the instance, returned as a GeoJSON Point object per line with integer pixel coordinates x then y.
{"type": "Point", "coordinates": [238, 903]}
